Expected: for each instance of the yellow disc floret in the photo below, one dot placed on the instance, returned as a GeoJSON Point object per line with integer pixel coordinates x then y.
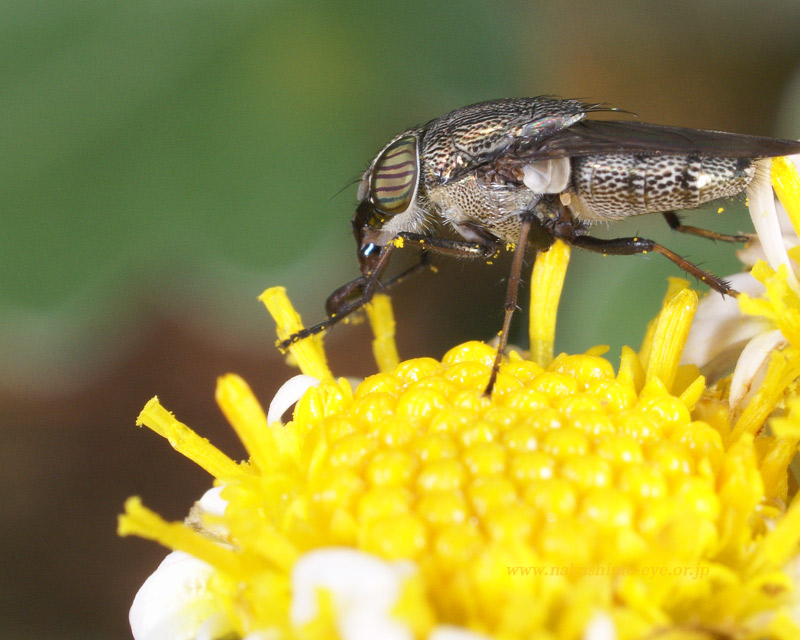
{"type": "Point", "coordinates": [572, 492]}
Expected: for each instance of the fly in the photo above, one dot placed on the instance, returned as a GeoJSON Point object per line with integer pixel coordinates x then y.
{"type": "Point", "coordinates": [528, 171]}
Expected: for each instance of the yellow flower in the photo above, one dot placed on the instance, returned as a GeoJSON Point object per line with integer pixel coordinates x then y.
{"type": "Point", "coordinates": [576, 502]}
{"type": "Point", "coordinates": [746, 331]}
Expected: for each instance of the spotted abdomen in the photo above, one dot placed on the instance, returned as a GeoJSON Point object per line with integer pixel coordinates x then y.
{"type": "Point", "coordinates": [609, 187]}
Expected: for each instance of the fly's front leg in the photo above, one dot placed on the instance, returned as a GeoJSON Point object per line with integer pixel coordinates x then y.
{"type": "Point", "coordinates": [631, 246]}
{"type": "Point", "coordinates": [674, 222]}
{"type": "Point", "coordinates": [483, 246]}
{"type": "Point", "coordinates": [340, 303]}
{"type": "Point", "coordinates": [423, 263]}
{"type": "Point", "coordinates": [343, 303]}
{"type": "Point", "coordinates": [338, 300]}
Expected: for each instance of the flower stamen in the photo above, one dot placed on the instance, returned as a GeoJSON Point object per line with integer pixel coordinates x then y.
{"type": "Point", "coordinates": [547, 281]}
{"type": "Point", "coordinates": [184, 440]}
{"type": "Point", "coordinates": [308, 353]}
{"type": "Point", "coordinates": [381, 318]}
{"type": "Point", "coordinates": [669, 336]}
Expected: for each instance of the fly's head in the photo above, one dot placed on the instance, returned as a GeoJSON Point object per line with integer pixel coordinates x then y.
{"type": "Point", "coordinates": [390, 198]}
{"type": "Point", "coordinates": [390, 202]}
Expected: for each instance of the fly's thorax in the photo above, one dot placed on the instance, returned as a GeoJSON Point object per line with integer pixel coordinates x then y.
{"type": "Point", "coordinates": [494, 207]}
{"type": "Point", "coordinates": [462, 140]}
{"type": "Point", "coordinates": [615, 186]}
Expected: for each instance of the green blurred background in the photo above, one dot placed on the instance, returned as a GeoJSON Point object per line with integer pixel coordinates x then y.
{"type": "Point", "coordinates": [164, 162]}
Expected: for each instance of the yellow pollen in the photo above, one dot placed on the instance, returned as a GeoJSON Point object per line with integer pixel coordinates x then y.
{"type": "Point", "coordinates": [186, 441]}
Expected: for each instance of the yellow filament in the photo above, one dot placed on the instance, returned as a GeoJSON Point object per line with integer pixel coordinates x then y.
{"type": "Point", "coordinates": [381, 318]}
{"type": "Point", "coordinates": [308, 352]}
{"type": "Point", "coordinates": [675, 285]}
{"type": "Point", "coordinates": [670, 335]}
{"type": "Point", "coordinates": [140, 521]}
{"type": "Point", "coordinates": [243, 411]}
{"type": "Point", "coordinates": [786, 182]}
{"type": "Point", "coordinates": [184, 440]}
{"type": "Point", "coordinates": [783, 368]}
{"type": "Point", "coordinates": [547, 281]}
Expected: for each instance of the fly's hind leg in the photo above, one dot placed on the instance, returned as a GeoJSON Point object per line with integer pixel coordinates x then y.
{"type": "Point", "coordinates": [674, 222]}
{"type": "Point", "coordinates": [634, 245]}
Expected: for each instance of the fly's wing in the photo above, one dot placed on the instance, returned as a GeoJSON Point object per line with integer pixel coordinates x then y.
{"type": "Point", "coordinates": [590, 137]}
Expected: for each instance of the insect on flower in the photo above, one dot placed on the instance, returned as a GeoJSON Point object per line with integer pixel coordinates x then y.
{"type": "Point", "coordinates": [527, 171]}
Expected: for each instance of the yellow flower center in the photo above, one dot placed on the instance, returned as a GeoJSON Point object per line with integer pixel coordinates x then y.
{"type": "Point", "coordinates": [573, 490]}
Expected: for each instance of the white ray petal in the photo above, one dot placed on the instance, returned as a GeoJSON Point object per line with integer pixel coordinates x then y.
{"type": "Point", "coordinates": [761, 202]}
{"type": "Point", "coordinates": [600, 627]}
{"type": "Point", "coordinates": [450, 632]}
{"type": "Point", "coordinates": [174, 602]}
{"type": "Point", "coordinates": [289, 393]}
{"type": "Point", "coordinates": [752, 366]}
{"type": "Point", "coordinates": [365, 590]}
{"type": "Point", "coordinates": [719, 330]}
{"type": "Point", "coordinates": [212, 502]}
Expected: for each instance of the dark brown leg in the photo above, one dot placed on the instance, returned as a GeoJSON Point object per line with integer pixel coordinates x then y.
{"type": "Point", "coordinates": [631, 246]}
{"type": "Point", "coordinates": [510, 305]}
{"type": "Point", "coordinates": [341, 303]}
{"type": "Point", "coordinates": [674, 222]}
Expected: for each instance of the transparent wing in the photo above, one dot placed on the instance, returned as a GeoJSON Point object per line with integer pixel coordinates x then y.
{"type": "Point", "coordinates": [590, 137]}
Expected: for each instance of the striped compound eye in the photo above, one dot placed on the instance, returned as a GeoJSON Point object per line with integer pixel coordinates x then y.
{"type": "Point", "coordinates": [394, 177]}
